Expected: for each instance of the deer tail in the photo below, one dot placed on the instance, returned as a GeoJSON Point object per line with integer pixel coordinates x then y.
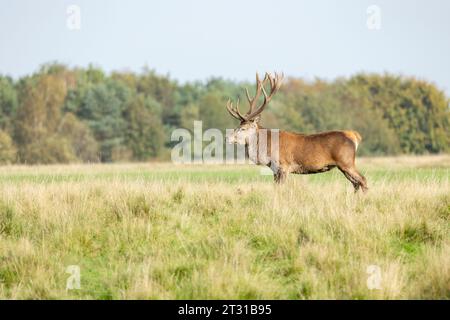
{"type": "Point", "coordinates": [354, 136]}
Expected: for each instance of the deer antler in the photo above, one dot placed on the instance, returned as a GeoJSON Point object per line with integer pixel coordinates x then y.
{"type": "Point", "coordinates": [275, 84]}
{"type": "Point", "coordinates": [234, 111]}
{"type": "Point", "coordinates": [259, 87]}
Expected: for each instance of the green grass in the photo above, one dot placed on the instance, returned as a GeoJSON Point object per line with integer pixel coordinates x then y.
{"type": "Point", "coordinates": [236, 174]}
{"type": "Point", "coordinates": [156, 231]}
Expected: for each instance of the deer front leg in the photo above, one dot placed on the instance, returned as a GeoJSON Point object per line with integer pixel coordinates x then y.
{"type": "Point", "coordinates": [280, 176]}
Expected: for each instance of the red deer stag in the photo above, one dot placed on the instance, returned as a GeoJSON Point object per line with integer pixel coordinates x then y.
{"type": "Point", "coordinates": [297, 153]}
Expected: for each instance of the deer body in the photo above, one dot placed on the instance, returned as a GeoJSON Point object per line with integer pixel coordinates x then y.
{"type": "Point", "coordinates": [295, 152]}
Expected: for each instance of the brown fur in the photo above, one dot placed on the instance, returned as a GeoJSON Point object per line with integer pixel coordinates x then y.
{"type": "Point", "coordinates": [320, 152]}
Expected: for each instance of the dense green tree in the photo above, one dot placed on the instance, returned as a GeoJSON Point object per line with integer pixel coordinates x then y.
{"type": "Point", "coordinates": [163, 90]}
{"type": "Point", "coordinates": [8, 103]}
{"type": "Point", "coordinates": [8, 150]}
{"type": "Point", "coordinates": [416, 110]}
{"type": "Point", "coordinates": [103, 107]}
{"type": "Point", "coordinates": [145, 134]}
{"type": "Point", "coordinates": [62, 114]}
{"type": "Point", "coordinates": [213, 113]}
{"type": "Point", "coordinates": [79, 136]}
{"type": "Point", "coordinates": [38, 115]}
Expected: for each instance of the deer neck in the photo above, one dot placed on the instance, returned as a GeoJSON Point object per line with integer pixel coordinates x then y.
{"type": "Point", "coordinates": [256, 147]}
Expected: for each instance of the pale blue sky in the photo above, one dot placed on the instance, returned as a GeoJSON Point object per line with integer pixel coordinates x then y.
{"type": "Point", "coordinates": [196, 39]}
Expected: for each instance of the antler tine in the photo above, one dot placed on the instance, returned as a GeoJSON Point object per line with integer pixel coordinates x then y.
{"type": "Point", "coordinates": [250, 100]}
{"type": "Point", "coordinates": [230, 109]}
{"type": "Point", "coordinates": [254, 100]}
{"type": "Point", "coordinates": [275, 84]}
{"type": "Point", "coordinates": [238, 112]}
{"type": "Point", "coordinates": [280, 79]}
{"type": "Point", "coordinates": [275, 81]}
{"type": "Point", "coordinates": [234, 111]}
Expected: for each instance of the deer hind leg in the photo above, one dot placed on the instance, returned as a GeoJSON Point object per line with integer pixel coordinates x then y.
{"type": "Point", "coordinates": [355, 178]}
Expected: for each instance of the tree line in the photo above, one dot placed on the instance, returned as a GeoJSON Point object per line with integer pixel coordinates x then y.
{"type": "Point", "coordinates": [61, 114]}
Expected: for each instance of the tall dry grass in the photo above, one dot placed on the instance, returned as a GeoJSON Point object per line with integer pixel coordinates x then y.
{"type": "Point", "coordinates": [158, 231]}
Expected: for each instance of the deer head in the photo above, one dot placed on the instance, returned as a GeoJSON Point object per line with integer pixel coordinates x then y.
{"type": "Point", "coordinates": [249, 121]}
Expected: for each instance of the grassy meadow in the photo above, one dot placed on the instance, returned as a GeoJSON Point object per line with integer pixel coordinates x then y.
{"type": "Point", "coordinates": [160, 231]}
